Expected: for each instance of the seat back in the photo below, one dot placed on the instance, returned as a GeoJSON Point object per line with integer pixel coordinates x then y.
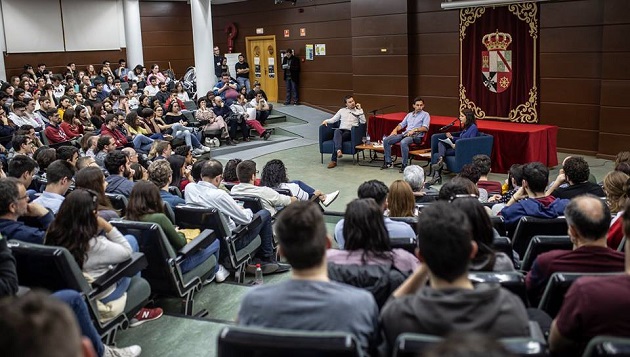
{"type": "Point", "coordinates": [528, 227]}
{"type": "Point", "coordinates": [503, 245]}
{"type": "Point", "coordinates": [119, 202]}
{"type": "Point", "coordinates": [283, 191]}
{"type": "Point", "coordinates": [525, 346]}
{"type": "Point", "coordinates": [557, 287]}
{"type": "Point", "coordinates": [190, 105]}
{"type": "Point", "coordinates": [235, 341]}
{"type": "Point", "coordinates": [407, 243]}
{"type": "Point", "coordinates": [254, 203]}
{"type": "Point", "coordinates": [162, 273]}
{"type": "Point", "coordinates": [542, 244]}
{"type": "Point", "coordinates": [499, 225]}
{"type": "Point", "coordinates": [411, 221]}
{"type": "Point", "coordinates": [513, 281]}
{"type": "Point", "coordinates": [601, 346]}
{"type": "Point", "coordinates": [622, 245]}
{"type": "Point", "coordinates": [174, 190]}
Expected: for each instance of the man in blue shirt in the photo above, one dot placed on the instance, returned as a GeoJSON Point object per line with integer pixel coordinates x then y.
{"type": "Point", "coordinates": [59, 176]}
{"type": "Point", "coordinates": [416, 125]}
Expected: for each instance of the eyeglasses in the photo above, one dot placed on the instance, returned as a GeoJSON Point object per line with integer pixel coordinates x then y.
{"type": "Point", "coordinates": [23, 197]}
{"type": "Point", "coordinates": [463, 195]}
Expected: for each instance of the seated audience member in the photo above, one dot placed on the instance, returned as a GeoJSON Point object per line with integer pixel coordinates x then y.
{"type": "Point", "coordinates": [229, 172]}
{"type": "Point", "coordinates": [96, 245]}
{"type": "Point", "coordinates": [21, 145]}
{"type": "Point", "coordinates": [43, 157]}
{"type": "Point", "coordinates": [274, 175]}
{"type": "Point", "coordinates": [139, 172]}
{"type": "Point", "coordinates": [593, 306]}
{"type": "Point", "coordinates": [350, 116]}
{"type": "Point", "coordinates": [91, 178]}
{"type": "Point", "coordinates": [468, 121]}
{"type": "Point", "coordinates": [512, 184]}
{"type": "Point", "coordinates": [324, 305]}
{"type": "Point", "coordinates": [451, 302]}
{"type": "Point", "coordinates": [414, 176]}
{"type": "Point", "coordinates": [588, 219]}
{"type": "Point", "coordinates": [367, 244]}
{"type": "Point", "coordinates": [483, 164]}
{"type": "Point", "coordinates": [469, 344]}
{"type": "Point", "coordinates": [617, 189]}
{"type": "Point", "coordinates": [85, 161]}
{"type": "Point", "coordinates": [206, 193]}
{"type": "Point", "coordinates": [226, 89]}
{"type": "Point", "coordinates": [240, 108]}
{"type": "Point", "coordinates": [160, 174]}
{"type": "Point", "coordinates": [378, 191]}
{"type": "Point", "coordinates": [472, 173]}
{"type": "Point", "coordinates": [181, 172]}
{"type": "Point", "coordinates": [161, 150]}
{"type": "Point", "coordinates": [23, 168]}
{"type": "Point", "coordinates": [530, 199]}
{"type": "Point", "coordinates": [59, 176]}
{"type": "Point", "coordinates": [117, 164]}
{"type": "Point", "coordinates": [221, 109]}
{"type": "Point", "coordinates": [262, 108]}
{"type": "Point", "coordinates": [70, 125]}
{"type": "Point", "coordinates": [211, 122]}
{"type": "Point", "coordinates": [104, 146]}
{"type": "Point", "coordinates": [400, 201]}
{"type": "Point", "coordinates": [257, 89]}
{"type": "Point", "coordinates": [68, 153]}
{"type": "Point", "coordinates": [110, 128]}
{"type": "Point", "coordinates": [575, 172]}
{"type": "Point", "coordinates": [53, 131]}
{"type": "Point", "coordinates": [13, 205]}
{"type": "Point", "coordinates": [19, 116]}
{"type": "Point", "coordinates": [270, 198]}
{"type": "Point", "coordinates": [486, 259]}
{"type": "Point", "coordinates": [145, 205]}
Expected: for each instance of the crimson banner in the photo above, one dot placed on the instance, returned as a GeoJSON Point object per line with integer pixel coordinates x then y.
{"type": "Point", "coordinates": [498, 62]}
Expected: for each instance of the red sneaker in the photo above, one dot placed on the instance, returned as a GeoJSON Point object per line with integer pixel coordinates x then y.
{"type": "Point", "coordinates": [145, 315]}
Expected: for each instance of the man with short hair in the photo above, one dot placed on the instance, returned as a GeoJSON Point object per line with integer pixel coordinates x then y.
{"type": "Point", "coordinates": [92, 98]}
{"type": "Point", "coordinates": [451, 302]}
{"type": "Point", "coordinates": [104, 145]}
{"type": "Point", "coordinates": [21, 145]}
{"type": "Point", "coordinates": [110, 128]}
{"type": "Point", "coordinates": [122, 70]}
{"type": "Point", "coordinates": [483, 164]}
{"type": "Point", "coordinates": [53, 131]}
{"type": "Point", "coordinates": [257, 89]}
{"type": "Point", "coordinates": [530, 199]}
{"type": "Point", "coordinates": [416, 125]}
{"type": "Point", "coordinates": [18, 115]}
{"type": "Point", "coordinates": [324, 305]}
{"type": "Point", "coordinates": [594, 306]}
{"type": "Point", "coordinates": [226, 89]}
{"type": "Point", "coordinates": [350, 116]}
{"type": "Point", "coordinates": [153, 88]}
{"type": "Point", "coordinates": [69, 154]}
{"type": "Point", "coordinates": [45, 105]}
{"type": "Point", "coordinates": [262, 108]}
{"type": "Point", "coordinates": [414, 176]}
{"type": "Point", "coordinates": [206, 193]}
{"type": "Point", "coordinates": [117, 164]}
{"type": "Point", "coordinates": [575, 172]}
{"type": "Point", "coordinates": [588, 219]}
{"type": "Point", "coordinates": [13, 205]}
{"type": "Point", "coordinates": [291, 67]}
{"type": "Point", "coordinates": [160, 173]}
{"type": "Point", "coordinates": [59, 179]}
{"type": "Point", "coordinates": [242, 72]}
{"type": "Point", "coordinates": [270, 198]}
{"type": "Point", "coordinates": [23, 168]}
{"type": "Point", "coordinates": [218, 62]}
{"type": "Point", "coordinates": [378, 191]}
{"type": "Point", "coordinates": [163, 94]}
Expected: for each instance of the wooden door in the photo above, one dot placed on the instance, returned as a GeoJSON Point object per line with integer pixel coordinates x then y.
{"type": "Point", "coordinates": [263, 58]}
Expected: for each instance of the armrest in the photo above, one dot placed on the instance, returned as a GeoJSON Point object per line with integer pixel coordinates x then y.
{"type": "Point", "coordinates": [130, 267]}
{"type": "Point", "coordinates": [357, 133]}
{"type": "Point", "coordinates": [202, 241]}
{"type": "Point", "coordinates": [240, 231]}
{"type": "Point", "coordinates": [535, 332]}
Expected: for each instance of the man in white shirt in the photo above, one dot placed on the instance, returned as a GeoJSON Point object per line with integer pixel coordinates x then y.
{"type": "Point", "coordinates": [153, 89]}
{"type": "Point", "coordinates": [351, 115]}
{"type": "Point", "coordinates": [59, 175]}
{"type": "Point", "coordinates": [270, 198]}
{"type": "Point", "coordinates": [19, 117]}
{"type": "Point", "coordinates": [262, 108]}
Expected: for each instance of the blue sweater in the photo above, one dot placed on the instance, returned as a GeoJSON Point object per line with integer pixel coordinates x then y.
{"type": "Point", "coordinates": [18, 230]}
{"type": "Point", "coordinates": [469, 132]}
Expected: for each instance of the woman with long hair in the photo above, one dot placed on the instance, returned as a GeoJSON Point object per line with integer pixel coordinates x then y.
{"type": "Point", "coordinates": [91, 72]}
{"type": "Point", "coordinates": [229, 171]}
{"type": "Point", "coordinates": [82, 116]}
{"type": "Point", "coordinates": [400, 200]}
{"type": "Point", "coordinates": [469, 123]}
{"type": "Point", "coordinates": [71, 125]}
{"type": "Point", "coordinates": [483, 234]}
{"type": "Point", "coordinates": [617, 189]}
{"type": "Point", "coordinates": [181, 173]}
{"type": "Point", "coordinates": [136, 126]}
{"type": "Point", "coordinates": [178, 123]}
{"type": "Point", "coordinates": [274, 175]}
{"type": "Point", "coordinates": [146, 205]}
{"type": "Point", "coordinates": [181, 93]}
{"type": "Point", "coordinates": [92, 178]}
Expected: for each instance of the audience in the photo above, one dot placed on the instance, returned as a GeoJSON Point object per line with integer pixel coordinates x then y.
{"type": "Point", "coordinates": [451, 302]}
{"type": "Point", "coordinates": [472, 173]}
{"type": "Point", "coordinates": [400, 201]}
{"type": "Point", "coordinates": [91, 178]}
{"type": "Point", "coordinates": [483, 164]}
{"type": "Point", "coordinates": [575, 172]}
{"type": "Point", "coordinates": [59, 178]}
{"type": "Point", "coordinates": [160, 173]}
{"type": "Point", "coordinates": [117, 164]}
{"type": "Point", "coordinates": [309, 300]}
{"type": "Point", "coordinates": [271, 200]}
{"type": "Point", "coordinates": [617, 189]}
{"type": "Point", "coordinates": [414, 176]}
{"type": "Point", "coordinates": [13, 205]}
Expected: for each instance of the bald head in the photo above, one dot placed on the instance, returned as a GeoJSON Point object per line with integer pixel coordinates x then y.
{"type": "Point", "coordinates": [588, 218]}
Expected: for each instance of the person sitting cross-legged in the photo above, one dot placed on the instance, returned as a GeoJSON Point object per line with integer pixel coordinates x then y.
{"type": "Point", "coordinates": [451, 302]}
{"type": "Point", "coordinates": [351, 115]}
{"type": "Point", "coordinates": [416, 125]}
{"type": "Point", "coordinates": [323, 305]}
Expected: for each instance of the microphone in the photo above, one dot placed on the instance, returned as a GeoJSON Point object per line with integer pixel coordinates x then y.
{"type": "Point", "coordinates": [449, 125]}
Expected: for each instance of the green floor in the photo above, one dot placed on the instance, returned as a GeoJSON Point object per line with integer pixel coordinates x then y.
{"type": "Point", "coordinates": [173, 335]}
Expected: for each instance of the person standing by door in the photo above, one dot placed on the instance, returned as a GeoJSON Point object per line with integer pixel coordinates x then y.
{"type": "Point", "coordinates": [291, 67]}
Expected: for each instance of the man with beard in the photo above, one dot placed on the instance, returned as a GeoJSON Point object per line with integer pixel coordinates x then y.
{"type": "Point", "coordinates": [117, 164]}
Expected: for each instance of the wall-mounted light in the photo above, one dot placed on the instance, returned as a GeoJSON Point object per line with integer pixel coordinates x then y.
{"type": "Point", "coordinates": [450, 5]}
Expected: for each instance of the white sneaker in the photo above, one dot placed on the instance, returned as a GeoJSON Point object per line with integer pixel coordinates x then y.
{"type": "Point", "coordinates": [221, 274]}
{"type": "Point", "coordinates": [131, 351]}
{"type": "Point", "coordinates": [330, 198]}
{"type": "Point", "coordinates": [198, 151]}
{"type": "Point", "coordinates": [205, 148]}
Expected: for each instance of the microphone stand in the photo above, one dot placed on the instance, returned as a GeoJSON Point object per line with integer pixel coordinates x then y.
{"type": "Point", "coordinates": [446, 127]}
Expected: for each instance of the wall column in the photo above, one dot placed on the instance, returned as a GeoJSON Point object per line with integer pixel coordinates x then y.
{"type": "Point", "coordinates": [3, 48]}
{"type": "Point", "coordinates": [133, 33]}
{"type": "Point", "coordinates": [202, 44]}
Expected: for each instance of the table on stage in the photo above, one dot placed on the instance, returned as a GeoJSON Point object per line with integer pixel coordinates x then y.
{"type": "Point", "coordinates": [514, 143]}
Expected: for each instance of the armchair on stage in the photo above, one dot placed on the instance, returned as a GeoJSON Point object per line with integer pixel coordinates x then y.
{"type": "Point", "coordinates": [326, 145]}
{"type": "Point", "coordinates": [465, 149]}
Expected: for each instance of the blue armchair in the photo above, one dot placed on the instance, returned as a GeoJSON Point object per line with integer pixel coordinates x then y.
{"type": "Point", "coordinates": [326, 145]}
{"type": "Point", "coordinates": [465, 149]}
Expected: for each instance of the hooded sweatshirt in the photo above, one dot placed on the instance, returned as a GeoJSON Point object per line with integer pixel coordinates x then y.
{"type": "Point", "coordinates": [487, 308]}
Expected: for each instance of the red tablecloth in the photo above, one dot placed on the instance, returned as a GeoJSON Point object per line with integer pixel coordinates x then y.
{"type": "Point", "coordinates": [514, 143]}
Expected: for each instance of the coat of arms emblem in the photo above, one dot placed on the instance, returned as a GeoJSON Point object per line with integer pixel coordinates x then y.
{"type": "Point", "coordinates": [496, 62]}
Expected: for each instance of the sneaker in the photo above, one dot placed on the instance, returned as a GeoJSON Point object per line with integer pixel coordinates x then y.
{"type": "Point", "coordinates": [402, 168]}
{"type": "Point", "coordinates": [386, 166]}
{"type": "Point", "coordinates": [330, 197]}
{"type": "Point", "coordinates": [131, 351]}
{"type": "Point", "coordinates": [145, 315]}
{"type": "Point", "coordinates": [267, 135]}
{"type": "Point", "coordinates": [205, 148]}
{"type": "Point", "coordinates": [221, 274]}
{"type": "Point", "coordinates": [198, 151]}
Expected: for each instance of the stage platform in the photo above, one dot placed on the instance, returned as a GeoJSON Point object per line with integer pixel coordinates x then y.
{"type": "Point", "coordinates": [514, 143]}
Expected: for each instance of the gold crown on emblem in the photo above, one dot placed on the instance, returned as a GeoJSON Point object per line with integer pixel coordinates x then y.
{"type": "Point", "coordinates": [497, 40]}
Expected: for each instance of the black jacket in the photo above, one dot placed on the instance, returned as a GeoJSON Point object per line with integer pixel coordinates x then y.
{"type": "Point", "coordinates": [380, 280]}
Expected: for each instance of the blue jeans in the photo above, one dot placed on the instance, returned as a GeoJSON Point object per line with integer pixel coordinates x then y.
{"type": "Point", "coordinates": [262, 115]}
{"type": "Point", "coordinates": [339, 136]}
{"type": "Point", "coordinates": [405, 141]}
{"type": "Point", "coordinates": [123, 284]}
{"type": "Point", "coordinates": [243, 82]}
{"type": "Point", "coordinates": [306, 188]}
{"type": "Point", "coordinates": [180, 131]}
{"type": "Point", "coordinates": [78, 306]}
{"type": "Point", "coordinates": [445, 150]}
{"type": "Point", "coordinates": [201, 256]}
{"type": "Point", "coordinates": [292, 91]}
{"type": "Point", "coordinates": [142, 143]}
{"type": "Point", "coordinates": [266, 236]}
{"type": "Point", "coordinates": [157, 136]}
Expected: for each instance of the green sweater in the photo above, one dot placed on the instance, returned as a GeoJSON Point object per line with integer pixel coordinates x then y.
{"type": "Point", "coordinates": [177, 239]}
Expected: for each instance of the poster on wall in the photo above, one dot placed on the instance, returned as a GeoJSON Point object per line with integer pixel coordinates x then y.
{"type": "Point", "coordinates": [320, 49]}
{"type": "Point", "coordinates": [309, 52]}
{"type": "Point", "coordinates": [257, 67]}
{"type": "Point", "coordinates": [272, 67]}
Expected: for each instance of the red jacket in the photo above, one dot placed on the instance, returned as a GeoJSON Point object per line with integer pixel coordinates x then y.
{"type": "Point", "coordinates": [71, 131]}
{"type": "Point", "coordinates": [55, 135]}
{"type": "Point", "coordinates": [121, 139]}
